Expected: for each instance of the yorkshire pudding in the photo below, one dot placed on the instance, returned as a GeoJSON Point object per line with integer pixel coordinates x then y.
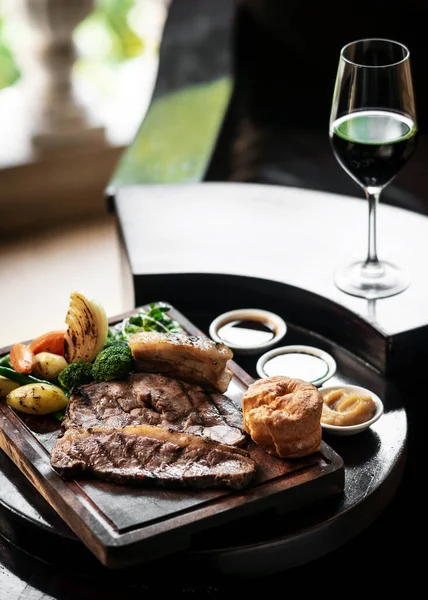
{"type": "Point", "coordinates": [283, 415]}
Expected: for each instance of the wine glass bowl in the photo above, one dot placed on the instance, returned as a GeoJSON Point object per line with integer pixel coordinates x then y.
{"type": "Point", "coordinates": [373, 133]}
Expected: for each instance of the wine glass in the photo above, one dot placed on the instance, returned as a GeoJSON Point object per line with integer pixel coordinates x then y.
{"type": "Point", "coordinates": [373, 132]}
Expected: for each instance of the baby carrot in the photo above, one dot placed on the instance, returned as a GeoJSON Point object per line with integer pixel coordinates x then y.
{"type": "Point", "coordinates": [52, 341]}
{"type": "Point", "coordinates": [22, 358]}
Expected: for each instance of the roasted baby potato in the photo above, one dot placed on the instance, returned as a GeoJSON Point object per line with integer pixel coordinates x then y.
{"type": "Point", "coordinates": [37, 399]}
{"type": "Point", "coordinates": [6, 386]}
{"type": "Point", "coordinates": [48, 366]}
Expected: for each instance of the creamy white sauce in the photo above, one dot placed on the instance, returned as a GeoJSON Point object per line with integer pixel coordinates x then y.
{"type": "Point", "coordinates": [298, 365]}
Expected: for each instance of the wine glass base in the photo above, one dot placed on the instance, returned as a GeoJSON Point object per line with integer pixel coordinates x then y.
{"type": "Point", "coordinates": [371, 281]}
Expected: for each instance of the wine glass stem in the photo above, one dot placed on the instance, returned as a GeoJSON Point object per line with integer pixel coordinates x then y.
{"type": "Point", "coordinates": [372, 260]}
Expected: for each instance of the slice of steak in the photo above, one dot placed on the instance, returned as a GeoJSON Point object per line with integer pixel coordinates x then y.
{"type": "Point", "coordinates": [155, 399]}
{"type": "Point", "coordinates": [151, 455]}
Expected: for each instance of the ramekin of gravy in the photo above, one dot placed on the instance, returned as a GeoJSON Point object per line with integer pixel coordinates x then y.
{"type": "Point", "coordinates": [248, 330]}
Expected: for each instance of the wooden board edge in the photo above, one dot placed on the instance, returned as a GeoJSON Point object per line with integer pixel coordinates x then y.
{"type": "Point", "coordinates": [32, 459]}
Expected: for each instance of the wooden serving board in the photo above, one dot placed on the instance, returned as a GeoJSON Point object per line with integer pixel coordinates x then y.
{"type": "Point", "coordinates": [125, 526]}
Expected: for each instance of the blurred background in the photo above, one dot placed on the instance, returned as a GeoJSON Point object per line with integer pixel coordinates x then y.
{"type": "Point", "coordinates": [214, 90]}
{"type": "Point", "coordinates": [76, 79]}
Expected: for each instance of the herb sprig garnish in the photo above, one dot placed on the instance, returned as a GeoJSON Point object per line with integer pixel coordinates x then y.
{"type": "Point", "coordinates": [156, 318]}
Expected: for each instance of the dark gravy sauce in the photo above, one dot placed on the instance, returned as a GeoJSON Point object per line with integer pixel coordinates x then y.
{"type": "Point", "coordinates": [246, 333]}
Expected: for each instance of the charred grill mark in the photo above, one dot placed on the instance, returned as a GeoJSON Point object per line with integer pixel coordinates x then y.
{"type": "Point", "coordinates": [204, 418]}
{"type": "Point", "coordinates": [87, 465]}
{"type": "Point", "coordinates": [185, 390]}
{"type": "Point", "coordinates": [119, 405]}
{"type": "Point", "coordinates": [152, 405]}
{"type": "Point", "coordinates": [88, 324]}
{"type": "Point", "coordinates": [209, 396]}
{"type": "Point", "coordinates": [86, 398]}
{"type": "Point", "coordinates": [226, 407]}
{"type": "Point", "coordinates": [105, 450]}
{"type": "Point", "coordinates": [153, 453]}
{"type": "Point", "coordinates": [97, 408]}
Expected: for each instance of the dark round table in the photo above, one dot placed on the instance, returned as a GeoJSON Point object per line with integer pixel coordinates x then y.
{"type": "Point", "coordinates": [375, 346]}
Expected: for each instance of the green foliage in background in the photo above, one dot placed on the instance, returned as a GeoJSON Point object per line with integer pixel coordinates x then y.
{"type": "Point", "coordinates": [108, 32]}
{"type": "Point", "coordinates": [177, 137]}
{"type": "Point", "coordinates": [9, 70]}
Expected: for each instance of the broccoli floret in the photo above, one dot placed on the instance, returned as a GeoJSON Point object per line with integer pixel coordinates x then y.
{"type": "Point", "coordinates": [113, 362]}
{"type": "Point", "coordinates": [75, 374]}
{"type": "Point", "coordinates": [113, 342]}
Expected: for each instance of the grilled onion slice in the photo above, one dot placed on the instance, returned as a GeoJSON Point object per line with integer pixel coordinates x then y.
{"type": "Point", "coordinates": [87, 329]}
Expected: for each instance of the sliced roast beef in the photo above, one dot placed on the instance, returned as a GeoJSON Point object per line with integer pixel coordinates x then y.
{"type": "Point", "coordinates": [151, 455]}
{"type": "Point", "coordinates": [154, 399]}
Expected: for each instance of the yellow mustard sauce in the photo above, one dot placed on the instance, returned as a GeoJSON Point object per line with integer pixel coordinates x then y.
{"type": "Point", "coordinates": [347, 408]}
